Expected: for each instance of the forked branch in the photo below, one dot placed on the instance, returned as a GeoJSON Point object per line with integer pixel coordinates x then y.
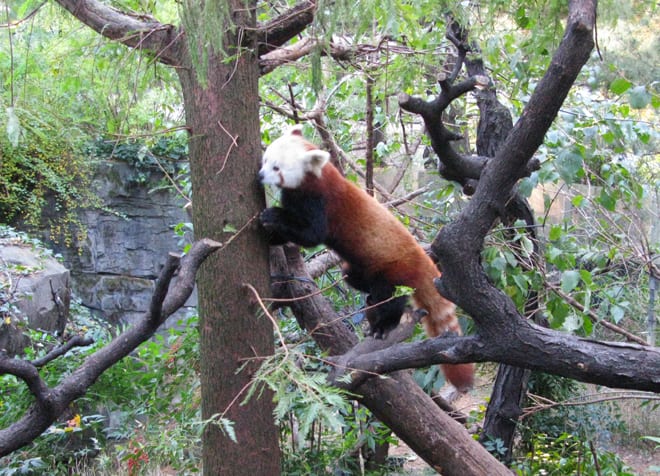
{"type": "Point", "coordinates": [51, 402]}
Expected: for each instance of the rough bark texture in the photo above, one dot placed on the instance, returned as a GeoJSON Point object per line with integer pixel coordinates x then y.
{"type": "Point", "coordinates": [495, 123]}
{"type": "Point", "coordinates": [223, 120]}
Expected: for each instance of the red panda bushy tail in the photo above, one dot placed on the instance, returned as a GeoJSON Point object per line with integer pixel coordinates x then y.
{"type": "Point", "coordinates": [441, 318]}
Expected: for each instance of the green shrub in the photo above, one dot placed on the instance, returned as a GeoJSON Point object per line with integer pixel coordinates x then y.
{"type": "Point", "coordinates": [143, 412]}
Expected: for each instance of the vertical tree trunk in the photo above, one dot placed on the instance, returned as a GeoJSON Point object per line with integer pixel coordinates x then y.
{"type": "Point", "coordinates": [223, 119]}
{"type": "Point", "coordinates": [369, 151]}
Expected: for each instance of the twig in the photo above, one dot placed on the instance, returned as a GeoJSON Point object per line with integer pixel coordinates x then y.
{"type": "Point", "coordinates": [75, 341]}
{"type": "Point", "coordinates": [234, 143]}
{"type": "Point", "coordinates": [543, 403]}
{"type": "Point", "coordinates": [593, 317]}
{"type": "Point", "coordinates": [273, 321]}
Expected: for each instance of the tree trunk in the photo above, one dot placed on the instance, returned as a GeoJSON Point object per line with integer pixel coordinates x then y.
{"type": "Point", "coordinates": [223, 120]}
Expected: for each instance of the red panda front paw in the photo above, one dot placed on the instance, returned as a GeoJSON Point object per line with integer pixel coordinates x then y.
{"type": "Point", "coordinates": [272, 225]}
{"type": "Point", "coordinates": [268, 217]}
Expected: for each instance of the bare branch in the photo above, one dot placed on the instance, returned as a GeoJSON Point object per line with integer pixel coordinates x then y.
{"type": "Point", "coordinates": [26, 372]}
{"type": "Point", "coordinates": [611, 364]}
{"type": "Point", "coordinates": [136, 31]}
{"type": "Point", "coordinates": [339, 51]}
{"type": "Point", "coordinates": [75, 341]}
{"type": "Point", "coordinates": [542, 403]}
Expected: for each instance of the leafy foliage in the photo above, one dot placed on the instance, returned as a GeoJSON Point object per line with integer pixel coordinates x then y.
{"type": "Point", "coordinates": [143, 412]}
{"type": "Point", "coordinates": [63, 88]}
{"type": "Point", "coordinates": [167, 153]}
{"type": "Point", "coordinates": [566, 454]}
{"type": "Point", "coordinates": [44, 172]}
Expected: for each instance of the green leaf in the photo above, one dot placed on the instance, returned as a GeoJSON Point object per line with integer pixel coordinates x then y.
{"type": "Point", "coordinates": [558, 310]}
{"type": "Point", "coordinates": [655, 102]}
{"type": "Point", "coordinates": [639, 97]}
{"type": "Point", "coordinates": [569, 165]}
{"type": "Point", "coordinates": [607, 200]}
{"type": "Point", "coordinates": [586, 277]}
{"type": "Point", "coordinates": [620, 86]}
{"type": "Point", "coordinates": [522, 20]}
{"type": "Point", "coordinates": [521, 282]}
{"type": "Point", "coordinates": [569, 280]}
{"type": "Point", "coordinates": [587, 326]}
{"type": "Point", "coordinates": [555, 232]}
{"type": "Point", "coordinates": [617, 313]}
{"type": "Point", "coordinates": [577, 200]}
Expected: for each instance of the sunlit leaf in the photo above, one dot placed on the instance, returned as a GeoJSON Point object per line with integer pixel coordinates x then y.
{"type": "Point", "coordinates": [639, 97]}
{"type": "Point", "coordinates": [620, 86]}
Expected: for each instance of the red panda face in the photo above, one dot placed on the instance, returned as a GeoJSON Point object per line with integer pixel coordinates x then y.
{"type": "Point", "coordinates": [289, 158]}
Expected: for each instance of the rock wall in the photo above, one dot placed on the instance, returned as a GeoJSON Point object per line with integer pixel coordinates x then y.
{"type": "Point", "coordinates": [127, 242]}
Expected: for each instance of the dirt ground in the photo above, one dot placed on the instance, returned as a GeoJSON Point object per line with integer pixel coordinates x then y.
{"type": "Point", "coordinates": [640, 457]}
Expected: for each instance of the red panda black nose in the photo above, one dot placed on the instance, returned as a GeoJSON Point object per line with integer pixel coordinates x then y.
{"type": "Point", "coordinates": [260, 176]}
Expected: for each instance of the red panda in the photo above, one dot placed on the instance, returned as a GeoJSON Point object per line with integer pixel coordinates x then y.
{"type": "Point", "coordinates": [318, 205]}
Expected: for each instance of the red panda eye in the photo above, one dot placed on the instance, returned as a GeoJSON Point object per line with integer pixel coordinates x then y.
{"type": "Point", "coordinates": [276, 168]}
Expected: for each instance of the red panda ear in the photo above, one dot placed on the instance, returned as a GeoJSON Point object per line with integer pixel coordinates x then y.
{"type": "Point", "coordinates": [315, 159]}
{"type": "Point", "coordinates": [295, 130]}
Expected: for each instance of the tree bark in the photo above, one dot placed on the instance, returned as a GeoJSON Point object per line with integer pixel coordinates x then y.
{"type": "Point", "coordinates": [495, 123]}
{"type": "Point", "coordinates": [222, 117]}
{"type": "Point", "coordinates": [223, 120]}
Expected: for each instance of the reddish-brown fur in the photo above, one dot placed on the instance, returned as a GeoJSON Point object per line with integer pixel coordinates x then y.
{"type": "Point", "coordinates": [374, 240]}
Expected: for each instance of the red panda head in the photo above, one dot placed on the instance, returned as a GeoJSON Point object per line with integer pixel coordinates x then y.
{"type": "Point", "coordinates": [289, 158]}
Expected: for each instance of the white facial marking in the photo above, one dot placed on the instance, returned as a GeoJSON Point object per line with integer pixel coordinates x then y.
{"type": "Point", "coordinates": [287, 161]}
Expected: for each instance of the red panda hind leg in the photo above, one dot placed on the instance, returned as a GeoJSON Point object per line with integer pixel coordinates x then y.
{"type": "Point", "coordinates": [384, 311]}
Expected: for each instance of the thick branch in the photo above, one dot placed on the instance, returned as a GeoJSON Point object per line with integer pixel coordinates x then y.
{"type": "Point", "coordinates": [343, 363]}
{"type": "Point", "coordinates": [612, 364]}
{"type": "Point", "coordinates": [281, 29]}
{"type": "Point", "coordinates": [137, 31]}
{"type": "Point", "coordinates": [271, 60]}
{"type": "Point", "coordinates": [458, 244]}
{"type": "Point", "coordinates": [50, 403]}
{"type": "Point", "coordinates": [453, 166]}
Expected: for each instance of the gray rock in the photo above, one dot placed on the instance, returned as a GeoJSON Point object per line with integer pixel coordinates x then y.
{"type": "Point", "coordinates": [41, 292]}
